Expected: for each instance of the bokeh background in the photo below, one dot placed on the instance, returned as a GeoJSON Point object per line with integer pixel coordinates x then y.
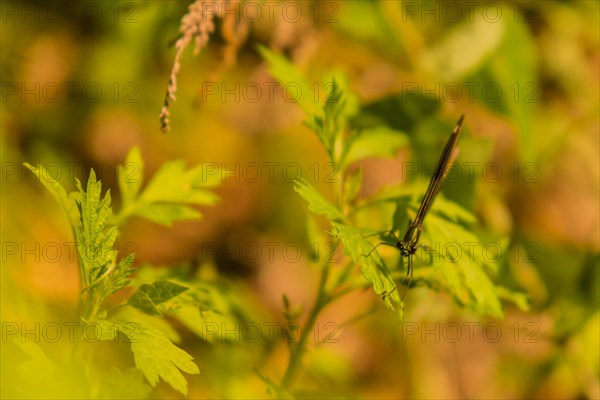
{"type": "Point", "coordinates": [526, 74]}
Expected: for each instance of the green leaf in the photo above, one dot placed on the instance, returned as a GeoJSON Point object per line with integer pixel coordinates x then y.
{"type": "Point", "coordinates": [289, 76]}
{"type": "Point", "coordinates": [119, 278]}
{"type": "Point", "coordinates": [462, 49]}
{"type": "Point", "coordinates": [521, 300]}
{"type": "Point", "coordinates": [151, 321]}
{"type": "Point", "coordinates": [166, 214]}
{"type": "Point", "coordinates": [514, 70]}
{"type": "Point", "coordinates": [213, 310]}
{"type": "Point", "coordinates": [106, 330]}
{"type": "Point", "coordinates": [465, 275]}
{"type": "Point", "coordinates": [124, 385]}
{"type": "Point", "coordinates": [352, 185]}
{"type": "Point", "coordinates": [100, 271]}
{"type": "Point", "coordinates": [94, 239]}
{"type": "Point", "coordinates": [33, 370]}
{"type": "Point", "coordinates": [168, 184]}
{"type": "Point", "coordinates": [39, 366]}
{"type": "Point", "coordinates": [67, 203]}
{"type": "Point", "coordinates": [452, 210]}
{"type": "Point", "coordinates": [154, 354]}
{"type": "Point", "coordinates": [317, 203]}
{"type": "Point", "coordinates": [374, 142]}
{"type": "Point", "coordinates": [372, 267]}
{"type": "Point", "coordinates": [328, 118]}
{"type": "Point", "coordinates": [209, 324]}
{"type": "Point", "coordinates": [149, 296]}
{"type": "Point", "coordinates": [170, 193]}
{"type": "Point", "coordinates": [102, 275]}
{"type": "Point", "coordinates": [161, 291]}
{"type": "Point", "coordinates": [142, 301]}
{"type": "Point", "coordinates": [409, 197]}
{"type": "Point", "coordinates": [201, 178]}
{"type": "Point", "coordinates": [130, 176]}
{"type": "Point", "coordinates": [339, 87]}
{"type": "Point", "coordinates": [373, 25]}
{"type": "Point", "coordinates": [441, 206]}
{"type": "Point", "coordinates": [400, 218]}
{"type": "Point", "coordinates": [331, 125]}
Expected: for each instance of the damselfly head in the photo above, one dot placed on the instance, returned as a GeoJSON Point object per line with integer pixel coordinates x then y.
{"type": "Point", "coordinates": [406, 248]}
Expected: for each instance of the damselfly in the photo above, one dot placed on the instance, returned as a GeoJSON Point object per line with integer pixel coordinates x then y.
{"type": "Point", "coordinates": [409, 244]}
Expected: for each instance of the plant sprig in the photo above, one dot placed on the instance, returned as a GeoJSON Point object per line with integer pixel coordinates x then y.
{"type": "Point", "coordinates": [467, 281]}
{"type": "Point", "coordinates": [167, 198]}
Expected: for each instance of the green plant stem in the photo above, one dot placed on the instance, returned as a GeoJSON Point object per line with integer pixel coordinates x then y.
{"type": "Point", "coordinates": [91, 305]}
{"type": "Point", "coordinates": [83, 305]}
{"type": "Point", "coordinates": [321, 300]}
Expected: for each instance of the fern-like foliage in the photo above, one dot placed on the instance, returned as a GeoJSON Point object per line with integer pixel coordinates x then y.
{"type": "Point", "coordinates": [167, 198]}
{"type": "Point", "coordinates": [467, 278]}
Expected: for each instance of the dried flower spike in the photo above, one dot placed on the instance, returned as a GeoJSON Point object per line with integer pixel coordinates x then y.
{"type": "Point", "coordinates": [198, 23]}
